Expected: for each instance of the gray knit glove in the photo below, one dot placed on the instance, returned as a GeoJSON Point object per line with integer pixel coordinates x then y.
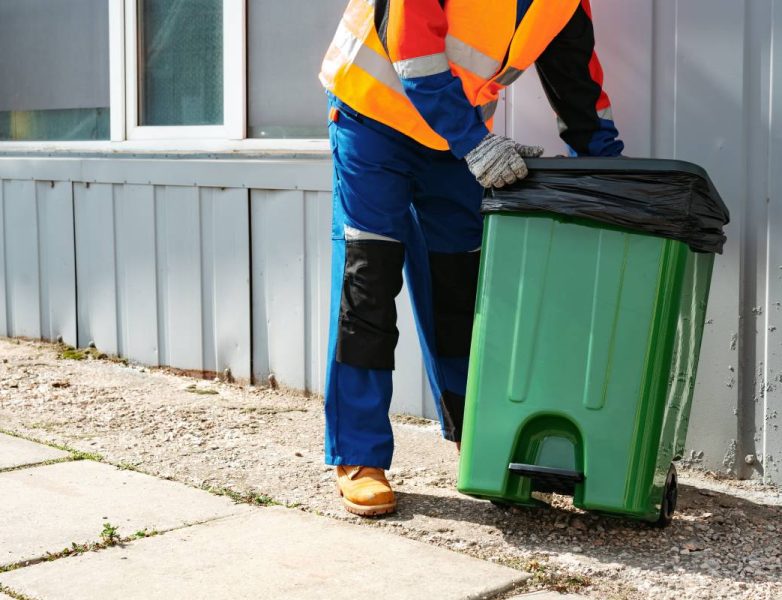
{"type": "Point", "coordinates": [498, 160]}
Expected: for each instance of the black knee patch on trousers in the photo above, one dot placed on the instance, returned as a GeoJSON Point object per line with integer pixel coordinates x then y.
{"type": "Point", "coordinates": [454, 287]}
{"type": "Point", "coordinates": [452, 406]}
{"type": "Point", "coordinates": [367, 334]}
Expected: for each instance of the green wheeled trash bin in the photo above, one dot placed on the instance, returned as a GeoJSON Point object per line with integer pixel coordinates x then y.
{"type": "Point", "coordinates": [591, 304]}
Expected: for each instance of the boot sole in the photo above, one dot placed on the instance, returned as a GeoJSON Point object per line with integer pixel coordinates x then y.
{"type": "Point", "coordinates": [366, 511]}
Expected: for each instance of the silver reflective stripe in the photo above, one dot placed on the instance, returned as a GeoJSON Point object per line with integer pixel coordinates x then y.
{"type": "Point", "coordinates": [423, 66]}
{"type": "Point", "coordinates": [356, 235]}
{"type": "Point", "coordinates": [469, 58]}
{"type": "Point", "coordinates": [379, 67]}
{"type": "Point", "coordinates": [509, 76]}
{"type": "Point", "coordinates": [367, 59]}
{"type": "Point", "coordinates": [348, 44]}
{"type": "Point", "coordinates": [488, 110]}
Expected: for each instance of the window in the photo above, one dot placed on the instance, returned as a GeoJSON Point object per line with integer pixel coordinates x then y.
{"type": "Point", "coordinates": [180, 62]}
{"type": "Point", "coordinates": [185, 69]}
{"type": "Point", "coordinates": [54, 70]}
{"type": "Point", "coordinates": [286, 43]}
{"type": "Point", "coordinates": [168, 70]}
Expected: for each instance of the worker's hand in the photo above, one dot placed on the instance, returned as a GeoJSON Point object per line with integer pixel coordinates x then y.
{"type": "Point", "coordinates": [498, 160]}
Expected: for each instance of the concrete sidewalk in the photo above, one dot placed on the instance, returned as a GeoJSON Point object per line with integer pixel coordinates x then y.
{"type": "Point", "coordinates": [201, 545]}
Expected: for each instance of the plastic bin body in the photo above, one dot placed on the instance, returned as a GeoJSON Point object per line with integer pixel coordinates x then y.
{"type": "Point", "coordinates": [584, 356]}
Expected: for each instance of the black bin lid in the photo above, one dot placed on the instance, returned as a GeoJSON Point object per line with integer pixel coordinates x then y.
{"type": "Point", "coordinates": [666, 198]}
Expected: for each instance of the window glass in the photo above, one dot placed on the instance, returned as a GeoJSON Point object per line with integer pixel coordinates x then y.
{"type": "Point", "coordinates": [181, 62]}
{"type": "Point", "coordinates": [286, 43]}
{"type": "Point", "coordinates": [54, 70]}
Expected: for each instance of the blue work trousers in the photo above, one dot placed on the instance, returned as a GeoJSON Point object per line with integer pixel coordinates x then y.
{"type": "Point", "coordinates": [398, 205]}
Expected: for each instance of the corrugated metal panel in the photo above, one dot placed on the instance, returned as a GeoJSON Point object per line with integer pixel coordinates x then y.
{"type": "Point", "coordinates": [134, 207]}
{"type": "Point", "coordinates": [278, 259]}
{"type": "Point", "coordinates": [95, 266]}
{"type": "Point", "coordinates": [771, 447]}
{"type": "Point", "coordinates": [709, 43]}
{"type": "Point", "coordinates": [57, 260]}
{"type": "Point", "coordinates": [179, 276]}
{"type": "Point", "coordinates": [163, 274]}
{"type": "Point", "coordinates": [761, 371]}
{"type": "Point", "coordinates": [38, 292]}
{"type": "Point", "coordinates": [3, 278]}
{"type": "Point", "coordinates": [410, 382]}
{"type": "Point", "coordinates": [23, 290]}
{"type": "Point", "coordinates": [317, 219]}
{"type": "Point", "coordinates": [225, 235]}
{"type": "Point", "coordinates": [263, 173]}
{"type": "Point", "coordinates": [203, 279]}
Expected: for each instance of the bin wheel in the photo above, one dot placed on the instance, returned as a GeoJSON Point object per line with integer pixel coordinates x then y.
{"type": "Point", "coordinates": [501, 504]}
{"type": "Point", "coordinates": [670, 496]}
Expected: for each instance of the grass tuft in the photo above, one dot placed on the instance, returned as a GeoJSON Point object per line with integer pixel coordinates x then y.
{"type": "Point", "coordinates": [251, 498]}
{"type": "Point", "coordinates": [544, 577]}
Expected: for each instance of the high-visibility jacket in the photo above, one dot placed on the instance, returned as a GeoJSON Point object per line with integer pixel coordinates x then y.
{"type": "Point", "coordinates": [433, 69]}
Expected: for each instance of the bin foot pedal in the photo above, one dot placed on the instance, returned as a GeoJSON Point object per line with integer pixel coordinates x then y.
{"type": "Point", "coordinates": [547, 479]}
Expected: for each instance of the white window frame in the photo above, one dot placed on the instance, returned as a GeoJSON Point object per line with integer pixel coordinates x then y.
{"type": "Point", "coordinates": [126, 136]}
{"type": "Point", "coordinates": [125, 78]}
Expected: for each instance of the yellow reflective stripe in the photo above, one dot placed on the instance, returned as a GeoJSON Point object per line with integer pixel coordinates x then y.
{"type": "Point", "coordinates": [472, 59]}
{"type": "Point", "coordinates": [422, 66]}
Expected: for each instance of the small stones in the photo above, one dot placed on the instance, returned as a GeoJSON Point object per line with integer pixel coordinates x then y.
{"type": "Point", "coordinates": [692, 546]}
{"type": "Point", "coordinates": [578, 525]}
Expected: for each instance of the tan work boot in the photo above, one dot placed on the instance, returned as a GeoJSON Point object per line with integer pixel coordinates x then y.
{"type": "Point", "coordinates": [365, 491]}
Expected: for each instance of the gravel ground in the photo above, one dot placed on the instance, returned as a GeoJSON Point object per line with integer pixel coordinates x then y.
{"type": "Point", "coordinates": [724, 543]}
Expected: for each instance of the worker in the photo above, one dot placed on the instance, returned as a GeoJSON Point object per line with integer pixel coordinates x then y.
{"type": "Point", "coordinates": [413, 86]}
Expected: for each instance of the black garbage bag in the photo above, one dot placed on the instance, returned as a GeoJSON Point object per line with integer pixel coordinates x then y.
{"type": "Point", "coordinates": [671, 199]}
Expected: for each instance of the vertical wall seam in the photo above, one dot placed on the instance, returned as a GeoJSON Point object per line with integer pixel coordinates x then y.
{"type": "Point", "coordinates": [307, 299]}
{"type": "Point", "coordinates": [675, 123]}
{"type": "Point", "coordinates": [769, 188]}
{"type": "Point", "coordinates": [654, 83]}
{"type": "Point", "coordinates": [119, 277]}
{"type": "Point", "coordinates": [75, 264]}
{"type": "Point", "coordinates": [207, 268]}
{"type": "Point", "coordinates": [43, 303]}
{"type": "Point", "coordinates": [4, 225]}
{"type": "Point", "coordinates": [766, 352]}
{"type": "Point", "coordinates": [747, 292]}
{"type": "Point", "coordinates": [202, 267]}
{"type": "Point", "coordinates": [161, 286]}
{"type": "Point", "coordinates": [250, 284]}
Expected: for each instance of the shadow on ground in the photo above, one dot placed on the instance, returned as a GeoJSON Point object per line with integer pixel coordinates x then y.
{"type": "Point", "coordinates": [711, 531]}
